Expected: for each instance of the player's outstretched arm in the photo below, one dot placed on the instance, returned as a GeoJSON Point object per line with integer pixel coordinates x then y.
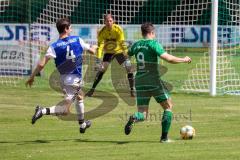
{"type": "Point", "coordinates": [93, 49]}
{"type": "Point", "coordinates": [174, 60]}
{"type": "Point", "coordinates": [39, 67]}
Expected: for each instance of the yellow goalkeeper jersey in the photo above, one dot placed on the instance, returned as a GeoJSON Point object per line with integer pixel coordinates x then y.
{"type": "Point", "coordinates": [111, 41]}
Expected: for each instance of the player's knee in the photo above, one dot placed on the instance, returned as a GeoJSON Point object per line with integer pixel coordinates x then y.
{"type": "Point", "coordinates": [127, 64]}
{"type": "Point", "coordinates": [79, 97]}
{"type": "Point", "coordinates": [170, 105]}
{"type": "Point", "coordinates": [79, 101]}
{"type": "Point", "coordinates": [129, 69]}
{"type": "Point", "coordinates": [103, 69]}
{"type": "Point", "coordinates": [167, 105]}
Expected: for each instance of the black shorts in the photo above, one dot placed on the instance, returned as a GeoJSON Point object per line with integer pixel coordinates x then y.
{"type": "Point", "coordinates": [108, 57]}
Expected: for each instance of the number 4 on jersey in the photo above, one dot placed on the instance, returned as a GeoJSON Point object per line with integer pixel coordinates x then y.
{"type": "Point", "coordinates": [70, 54]}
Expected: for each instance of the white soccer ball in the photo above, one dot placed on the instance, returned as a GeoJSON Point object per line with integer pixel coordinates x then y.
{"type": "Point", "coordinates": [187, 132]}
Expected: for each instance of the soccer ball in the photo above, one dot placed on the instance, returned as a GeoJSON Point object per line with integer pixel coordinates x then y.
{"type": "Point", "coordinates": [187, 132]}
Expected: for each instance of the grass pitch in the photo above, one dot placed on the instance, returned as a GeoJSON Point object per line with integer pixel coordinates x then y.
{"type": "Point", "coordinates": [216, 121]}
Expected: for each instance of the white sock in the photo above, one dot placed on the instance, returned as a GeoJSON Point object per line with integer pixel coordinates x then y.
{"type": "Point", "coordinates": [44, 111]}
{"type": "Point", "coordinates": [80, 109]}
{"type": "Point", "coordinates": [83, 125]}
{"type": "Point", "coordinates": [51, 109]}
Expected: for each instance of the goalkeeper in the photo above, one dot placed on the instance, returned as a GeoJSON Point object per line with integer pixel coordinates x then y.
{"type": "Point", "coordinates": [111, 42]}
{"type": "Point", "coordinates": [147, 80]}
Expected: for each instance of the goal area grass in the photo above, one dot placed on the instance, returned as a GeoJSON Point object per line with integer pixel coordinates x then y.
{"type": "Point", "coordinates": [215, 119]}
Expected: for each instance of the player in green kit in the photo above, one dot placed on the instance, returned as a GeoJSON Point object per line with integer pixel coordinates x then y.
{"type": "Point", "coordinates": [148, 83]}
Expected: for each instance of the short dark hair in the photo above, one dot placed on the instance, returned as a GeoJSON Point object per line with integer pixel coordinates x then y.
{"type": "Point", "coordinates": [146, 28]}
{"type": "Point", "coordinates": [62, 24]}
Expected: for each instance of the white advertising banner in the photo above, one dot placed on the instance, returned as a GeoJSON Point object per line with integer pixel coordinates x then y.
{"type": "Point", "coordinates": [14, 60]}
{"type": "Point", "coordinates": [20, 43]}
{"type": "Point", "coordinates": [182, 36]}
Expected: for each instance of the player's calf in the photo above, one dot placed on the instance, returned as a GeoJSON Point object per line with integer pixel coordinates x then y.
{"type": "Point", "coordinates": [61, 108]}
{"type": "Point", "coordinates": [166, 119]}
{"type": "Point", "coordinates": [95, 83]}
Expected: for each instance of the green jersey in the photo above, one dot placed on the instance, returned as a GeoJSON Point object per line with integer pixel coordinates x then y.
{"type": "Point", "coordinates": [147, 53]}
{"type": "Point", "coordinates": [147, 79]}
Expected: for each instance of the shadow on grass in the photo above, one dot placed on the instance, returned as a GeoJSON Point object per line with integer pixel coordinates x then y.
{"type": "Point", "coordinates": [26, 142]}
{"type": "Point", "coordinates": [118, 142]}
{"type": "Point", "coordinates": [113, 141]}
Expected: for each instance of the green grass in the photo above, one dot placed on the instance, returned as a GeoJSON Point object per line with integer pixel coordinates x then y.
{"type": "Point", "coordinates": [216, 120]}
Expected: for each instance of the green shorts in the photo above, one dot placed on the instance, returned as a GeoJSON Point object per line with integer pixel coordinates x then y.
{"type": "Point", "coordinates": [145, 92]}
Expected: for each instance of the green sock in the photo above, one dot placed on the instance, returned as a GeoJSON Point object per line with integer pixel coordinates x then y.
{"type": "Point", "coordinates": [138, 116]}
{"type": "Point", "coordinates": [166, 122]}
